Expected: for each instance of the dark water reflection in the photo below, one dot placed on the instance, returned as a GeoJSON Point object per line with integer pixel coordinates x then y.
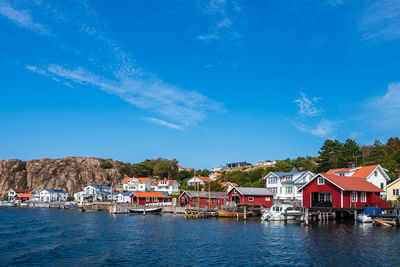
{"type": "Point", "coordinates": [69, 237]}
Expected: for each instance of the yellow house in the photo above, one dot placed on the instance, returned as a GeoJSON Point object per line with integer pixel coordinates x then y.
{"type": "Point", "coordinates": [393, 190]}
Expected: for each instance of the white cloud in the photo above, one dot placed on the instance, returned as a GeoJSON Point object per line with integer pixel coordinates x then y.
{"type": "Point", "coordinates": [307, 107]}
{"type": "Point", "coordinates": [381, 20]}
{"type": "Point", "coordinates": [88, 55]}
{"type": "Point", "coordinates": [21, 17]}
{"type": "Point", "coordinates": [164, 123]}
{"type": "Point", "coordinates": [323, 129]}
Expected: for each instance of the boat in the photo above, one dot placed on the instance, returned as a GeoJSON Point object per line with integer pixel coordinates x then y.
{"type": "Point", "coordinates": [233, 214]}
{"type": "Point", "coordinates": [7, 204]}
{"type": "Point", "coordinates": [365, 215]}
{"type": "Point", "coordinates": [280, 212]}
{"type": "Point", "coordinates": [145, 210]}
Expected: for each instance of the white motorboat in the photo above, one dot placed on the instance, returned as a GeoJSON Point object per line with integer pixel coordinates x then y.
{"type": "Point", "coordinates": [280, 212]}
{"type": "Point", "coordinates": [365, 216]}
{"type": "Point", "coordinates": [7, 204]}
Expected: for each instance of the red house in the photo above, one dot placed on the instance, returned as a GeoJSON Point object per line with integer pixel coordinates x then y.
{"type": "Point", "coordinates": [328, 190]}
{"type": "Point", "coordinates": [251, 195]}
{"type": "Point", "coordinates": [202, 199]}
{"type": "Point", "coordinates": [144, 198]}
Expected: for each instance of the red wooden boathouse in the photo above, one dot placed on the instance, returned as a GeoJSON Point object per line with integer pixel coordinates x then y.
{"type": "Point", "coordinates": [202, 199]}
{"type": "Point", "coordinates": [251, 195]}
{"type": "Point", "coordinates": [328, 190]}
{"type": "Point", "coordinates": [144, 198]}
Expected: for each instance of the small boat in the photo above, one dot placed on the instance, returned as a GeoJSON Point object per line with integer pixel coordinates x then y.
{"type": "Point", "coordinates": [384, 222]}
{"type": "Point", "coordinates": [233, 214]}
{"type": "Point", "coordinates": [145, 210]}
{"type": "Point", "coordinates": [280, 213]}
{"type": "Point", "coordinates": [7, 204]}
{"type": "Point", "coordinates": [364, 216]}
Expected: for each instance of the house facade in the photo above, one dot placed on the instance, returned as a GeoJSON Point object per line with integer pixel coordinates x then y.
{"type": "Point", "coordinates": [328, 190]}
{"type": "Point", "coordinates": [95, 193]}
{"type": "Point", "coordinates": [138, 184]}
{"type": "Point", "coordinates": [12, 193]}
{"type": "Point", "coordinates": [49, 195]}
{"type": "Point", "coordinates": [169, 186]}
{"type": "Point", "coordinates": [393, 189]}
{"type": "Point", "coordinates": [237, 164]}
{"type": "Point", "coordinates": [23, 197]}
{"type": "Point", "coordinates": [124, 197]}
{"type": "Point", "coordinates": [285, 185]}
{"type": "Point", "coordinates": [374, 174]}
{"type": "Point", "coordinates": [251, 195]}
{"type": "Point", "coordinates": [202, 199]}
{"type": "Point", "coordinates": [266, 163]}
{"type": "Point", "coordinates": [199, 180]}
{"type": "Point", "coordinates": [150, 198]}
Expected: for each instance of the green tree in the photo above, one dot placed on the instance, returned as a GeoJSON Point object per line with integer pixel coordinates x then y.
{"type": "Point", "coordinates": [329, 155]}
{"type": "Point", "coordinates": [377, 153]}
{"type": "Point", "coordinates": [351, 152]}
{"type": "Point", "coordinates": [284, 165]}
{"type": "Point", "coordinates": [214, 187]}
{"type": "Point", "coordinates": [392, 145]}
{"type": "Point", "coordinates": [105, 164]}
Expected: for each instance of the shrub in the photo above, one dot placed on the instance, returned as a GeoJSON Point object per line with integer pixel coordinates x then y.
{"type": "Point", "coordinates": [106, 165]}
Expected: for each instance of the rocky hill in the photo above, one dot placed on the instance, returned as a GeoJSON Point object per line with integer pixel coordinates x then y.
{"type": "Point", "coordinates": [71, 173]}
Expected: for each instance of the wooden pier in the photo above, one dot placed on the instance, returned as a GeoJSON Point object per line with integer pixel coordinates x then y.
{"type": "Point", "coordinates": [200, 212]}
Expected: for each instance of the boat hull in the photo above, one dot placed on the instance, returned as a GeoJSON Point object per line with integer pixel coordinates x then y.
{"type": "Point", "coordinates": [232, 214]}
{"type": "Point", "coordinates": [144, 210]}
{"type": "Point", "coordinates": [362, 218]}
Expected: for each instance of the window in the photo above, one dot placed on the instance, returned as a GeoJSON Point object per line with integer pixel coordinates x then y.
{"type": "Point", "coordinates": [280, 190]}
{"type": "Point", "coordinates": [321, 180]}
{"type": "Point", "coordinates": [288, 190]}
{"type": "Point", "coordinates": [272, 180]}
{"type": "Point", "coordinates": [267, 199]}
{"type": "Point", "coordinates": [395, 192]}
{"type": "Point", "coordinates": [274, 190]}
{"type": "Point", "coordinates": [363, 197]}
{"type": "Point", "coordinates": [382, 186]}
{"type": "Point", "coordinates": [353, 196]}
{"type": "Point", "coordinates": [147, 199]}
{"type": "Point", "coordinates": [251, 198]}
{"type": "Point", "coordinates": [375, 173]}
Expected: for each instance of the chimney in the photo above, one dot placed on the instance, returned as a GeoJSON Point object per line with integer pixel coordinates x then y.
{"type": "Point", "coordinates": [396, 174]}
{"type": "Point", "coordinates": [352, 164]}
{"type": "Point", "coordinates": [165, 178]}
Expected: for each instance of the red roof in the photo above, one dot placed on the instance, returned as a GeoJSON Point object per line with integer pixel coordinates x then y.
{"type": "Point", "coordinates": [25, 195]}
{"type": "Point", "coordinates": [225, 183]}
{"type": "Point", "coordinates": [141, 180]}
{"type": "Point", "coordinates": [170, 182]}
{"type": "Point", "coordinates": [149, 194]}
{"type": "Point", "coordinates": [349, 183]}
{"type": "Point", "coordinates": [205, 179]}
{"type": "Point", "coordinates": [26, 190]}
{"type": "Point", "coordinates": [362, 172]}
{"type": "Point", "coordinates": [126, 180]}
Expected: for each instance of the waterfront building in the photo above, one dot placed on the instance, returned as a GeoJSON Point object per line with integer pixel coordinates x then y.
{"type": "Point", "coordinates": [169, 186]}
{"type": "Point", "coordinates": [12, 193]}
{"type": "Point", "coordinates": [237, 164]}
{"type": "Point", "coordinates": [124, 197]}
{"type": "Point", "coordinates": [285, 185]}
{"type": "Point", "coordinates": [138, 184]}
{"type": "Point", "coordinates": [202, 199]}
{"type": "Point", "coordinates": [150, 198]}
{"type": "Point", "coordinates": [49, 195]}
{"type": "Point", "coordinates": [328, 190]}
{"type": "Point", "coordinates": [36, 195]}
{"type": "Point", "coordinates": [95, 193]}
{"type": "Point", "coordinates": [393, 189]}
{"type": "Point", "coordinates": [374, 174]}
{"type": "Point", "coordinates": [22, 197]}
{"type": "Point", "coordinates": [199, 180]}
{"type": "Point", "coordinates": [266, 163]}
{"type": "Point", "coordinates": [251, 195]}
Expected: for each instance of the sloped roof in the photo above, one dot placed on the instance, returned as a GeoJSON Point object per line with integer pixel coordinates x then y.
{"type": "Point", "coordinates": [127, 194]}
{"type": "Point", "coordinates": [25, 195]}
{"type": "Point", "coordinates": [56, 191]}
{"type": "Point", "coordinates": [254, 191]}
{"type": "Point", "coordinates": [142, 179]}
{"type": "Point", "coordinates": [225, 183]}
{"type": "Point", "coordinates": [127, 179]}
{"type": "Point", "coordinates": [362, 172]}
{"type": "Point", "coordinates": [170, 182]}
{"type": "Point", "coordinates": [350, 183]}
{"type": "Point", "coordinates": [193, 194]}
{"type": "Point", "coordinates": [26, 190]}
{"type": "Point", "coordinates": [101, 187]}
{"type": "Point", "coordinates": [148, 194]}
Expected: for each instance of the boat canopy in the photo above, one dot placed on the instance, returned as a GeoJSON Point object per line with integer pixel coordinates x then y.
{"type": "Point", "coordinates": [372, 211]}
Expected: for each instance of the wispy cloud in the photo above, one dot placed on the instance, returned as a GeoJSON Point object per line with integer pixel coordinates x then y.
{"type": "Point", "coordinates": [307, 106]}
{"type": "Point", "coordinates": [323, 129]}
{"type": "Point", "coordinates": [21, 17]}
{"type": "Point", "coordinates": [381, 20]}
{"type": "Point", "coordinates": [165, 123]}
{"type": "Point", "coordinates": [223, 16]}
{"type": "Point", "coordinates": [88, 55]}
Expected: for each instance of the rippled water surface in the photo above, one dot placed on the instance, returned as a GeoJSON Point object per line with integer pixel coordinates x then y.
{"type": "Point", "coordinates": [71, 237]}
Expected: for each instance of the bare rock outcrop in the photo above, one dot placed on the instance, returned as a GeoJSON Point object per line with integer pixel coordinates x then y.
{"type": "Point", "coordinates": [71, 174]}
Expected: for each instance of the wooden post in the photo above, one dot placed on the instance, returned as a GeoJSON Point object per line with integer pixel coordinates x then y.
{"type": "Point", "coordinates": [244, 212]}
{"type": "Point", "coordinates": [355, 215]}
{"type": "Point", "coordinates": [306, 216]}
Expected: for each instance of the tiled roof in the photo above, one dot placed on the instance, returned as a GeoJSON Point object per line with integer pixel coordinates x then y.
{"type": "Point", "coordinates": [56, 191]}
{"type": "Point", "coordinates": [193, 194]}
{"type": "Point", "coordinates": [225, 183]}
{"type": "Point", "coordinates": [142, 179]}
{"type": "Point", "coordinates": [26, 190]}
{"type": "Point", "coordinates": [254, 191]}
{"type": "Point", "coordinates": [148, 194]}
{"type": "Point", "coordinates": [25, 195]}
{"type": "Point", "coordinates": [127, 179]}
{"type": "Point", "coordinates": [205, 179]}
{"type": "Point", "coordinates": [349, 183]}
{"type": "Point", "coordinates": [362, 172]}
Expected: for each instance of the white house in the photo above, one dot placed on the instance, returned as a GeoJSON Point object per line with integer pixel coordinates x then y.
{"type": "Point", "coordinates": [136, 184]}
{"type": "Point", "coordinates": [48, 195]}
{"type": "Point", "coordinates": [36, 195]}
{"type": "Point", "coordinates": [374, 174]}
{"type": "Point", "coordinates": [285, 185]}
{"type": "Point", "coordinates": [199, 180]}
{"type": "Point", "coordinates": [12, 193]}
{"type": "Point", "coordinates": [215, 175]}
{"type": "Point", "coordinates": [267, 163]}
{"type": "Point", "coordinates": [124, 197]}
{"type": "Point", "coordinates": [169, 186]}
{"type": "Point", "coordinates": [95, 193]}
{"type": "Point", "coordinates": [217, 169]}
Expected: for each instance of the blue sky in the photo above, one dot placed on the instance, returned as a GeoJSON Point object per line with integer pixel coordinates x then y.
{"type": "Point", "coordinates": [205, 82]}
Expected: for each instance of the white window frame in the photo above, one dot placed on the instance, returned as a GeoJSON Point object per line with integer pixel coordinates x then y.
{"type": "Point", "coordinates": [287, 190]}
{"type": "Point", "coordinates": [353, 197]}
{"type": "Point", "coordinates": [363, 197]}
{"type": "Point", "coordinates": [321, 179]}
{"type": "Point", "coordinates": [147, 199]}
{"type": "Point", "coordinates": [251, 199]}
{"type": "Point", "coordinates": [395, 191]}
{"type": "Point", "coordinates": [268, 199]}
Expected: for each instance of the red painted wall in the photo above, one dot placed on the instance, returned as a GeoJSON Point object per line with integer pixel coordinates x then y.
{"type": "Point", "coordinates": [203, 202]}
{"type": "Point", "coordinates": [262, 200]}
{"type": "Point", "coordinates": [372, 200]}
{"type": "Point", "coordinates": [328, 187]}
{"type": "Point", "coordinates": [142, 200]}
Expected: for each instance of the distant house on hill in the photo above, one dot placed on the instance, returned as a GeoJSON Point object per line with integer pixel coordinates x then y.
{"type": "Point", "coordinates": [237, 164]}
{"type": "Point", "coordinates": [199, 180]}
{"type": "Point", "coordinates": [267, 163]}
{"type": "Point", "coordinates": [374, 174]}
{"type": "Point", "coordinates": [285, 185]}
{"type": "Point", "coordinates": [215, 175]}
{"type": "Point", "coordinates": [137, 184]}
{"type": "Point", "coordinates": [169, 186]}
{"type": "Point", "coordinates": [217, 169]}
